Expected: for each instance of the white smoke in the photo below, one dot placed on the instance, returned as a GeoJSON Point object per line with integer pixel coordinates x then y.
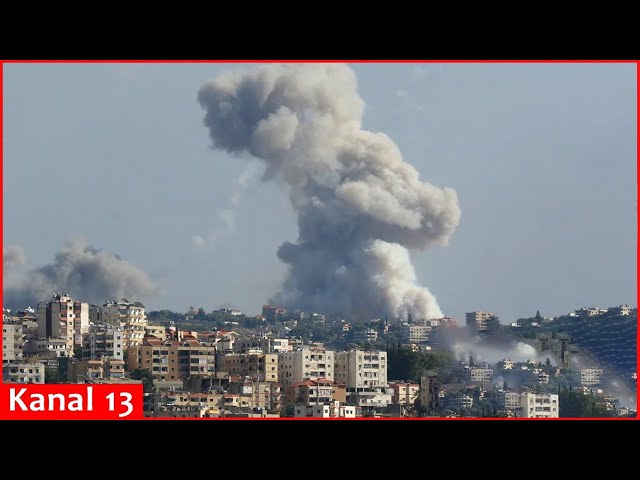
{"type": "Point", "coordinates": [360, 206]}
{"type": "Point", "coordinates": [89, 274]}
{"type": "Point", "coordinates": [226, 225]}
{"type": "Point", "coordinates": [12, 256]}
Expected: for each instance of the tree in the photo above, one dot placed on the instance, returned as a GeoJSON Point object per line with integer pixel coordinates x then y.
{"type": "Point", "coordinates": [410, 319]}
{"type": "Point", "coordinates": [146, 377]}
{"type": "Point", "coordinates": [538, 316]}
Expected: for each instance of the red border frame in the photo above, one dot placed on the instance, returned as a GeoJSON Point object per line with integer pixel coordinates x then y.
{"type": "Point", "coordinates": [637, 62]}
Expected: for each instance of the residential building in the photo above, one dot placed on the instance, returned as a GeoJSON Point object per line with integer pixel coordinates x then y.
{"type": "Point", "coordinates": [430, 391]}
{"type": "Point", "coordinates": [172, 360]}
{"type": "Point", "coordinates": [361, 368]}
{"type": "Point", "coordinates": [259, 366]}
{"type": "Point", "coordinates": [540, 405]}
{"type": "Point", "coordinates": [591, 376]}
{"type": "Point", "coordinates": [306, 363]}
{"type": "Point", "coordinates": [511, 400]}
{"type": "Point", "coordinates": [45, 348]}
{"type": "Point", "coordinates": [463, 401]}
{"type": "Point", "coordinates": [310, 392]}
{"type": "Point", "coordinates": [264, 343]}
{"type": "Point", "coordinates": [130, 316]}
{"type": "Point", "coordinates": [404, 393]}
{"type": "Point", "coordinates": [103, 340]}
{"type": "Point", "coordinates": [332, 410]}
{"type": "Point", "coordinates": [621, 310]}
{"type": "Point", "coordinates": [273, 313]}
{"type": "Point", "coordinates": [96, 368]}
{"type": "Point", "coordinates": [482, 322]}
{"type": "Point", "coordinates": [62, 317]}
{"type": "Point", "coordinates": [263, 395]}
{"type": "Point", "coordinates": [480, 375]}
{"type": "Point", "coordinates": [368, 335]}
{"type": "Point", "coordinates": [12, 341]}
{"type": "Point", "coordinates": [413, 333]}
{"type": "Point", "coordinates": [23, 372]}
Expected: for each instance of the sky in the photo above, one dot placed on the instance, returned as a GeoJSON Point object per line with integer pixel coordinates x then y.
{"type": "Point", "coordinates": [542, 158]}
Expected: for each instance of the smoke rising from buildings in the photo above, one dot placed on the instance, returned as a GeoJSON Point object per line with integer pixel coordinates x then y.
{"type": "Point", "coordinates": [464, 343]}
{"type": "Point", "coordinates": [359, 205]}
{"type": "Point", "coordinates": [12, 256]}
{"type": "Point", "coordinates": [89, 274]}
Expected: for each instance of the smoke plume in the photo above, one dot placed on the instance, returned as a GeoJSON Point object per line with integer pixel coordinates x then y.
{"type": "Point", "coordinates": [12, 256]}
{"type": "Point", "coordinates": [90, 275]}
{"type": "Point", "coordinates": [360, 206]}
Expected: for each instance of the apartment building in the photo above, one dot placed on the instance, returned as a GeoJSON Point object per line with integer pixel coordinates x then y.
{"type": "Point", "coordinates": [172, 360]}
{"type": "Point", "coordinates": [65, 318]}
{"type": "Point", "coordinates": [12, 341]}
{"type": "Point", "coordinates": [540, 405]}
{"type": "Point", "coordinates": [259, 366]}
{"type": "Point", "coordinates": [306, 363]}
{"type": "Point", "coordinates": [131, 317]}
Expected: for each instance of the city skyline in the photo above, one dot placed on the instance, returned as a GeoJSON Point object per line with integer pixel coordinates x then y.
{"type": "Point", "coordinates": [541, 157]}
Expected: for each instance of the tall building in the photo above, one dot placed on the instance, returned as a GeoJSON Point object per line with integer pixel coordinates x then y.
{"type": "Point", "coordinates": [64, 318]}
{"type": "Point", "coordinates": [130, 316]}
{"type": "Point", "coordinates": [429, 391]}
{"type": "Point", "coordinates": [590, 376]}
{"type": "Point", "coordinates": [304, 364]}
{"type": "Point", "coordinates": [12, 341]}
{"type": "Point", "coordinates": [361, 368]}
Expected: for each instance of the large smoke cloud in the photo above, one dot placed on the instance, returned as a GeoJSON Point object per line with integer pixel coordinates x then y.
{"type": "Point", "coordinates": [12, 256]}
{"type": "Point", "coordinates": [360, 206]}
{"type": "Point", "coordinates": [90, 275]}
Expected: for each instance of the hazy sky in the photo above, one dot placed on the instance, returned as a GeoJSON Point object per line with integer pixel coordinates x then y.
{"type": "Point", "coordinates": [542, 157]}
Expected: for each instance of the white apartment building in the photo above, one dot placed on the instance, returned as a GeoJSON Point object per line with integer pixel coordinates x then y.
{"type": "Point", "coordinates": [12, 341]}
{"type": "Point", "coordinates": [366, 335]}
{"type": "Point", "coordinates": [541, 405]}
{"type": "Point", "coordinates": [590, 376]}
{"type": "Point", "coordinates": [332, 410]}
{"type": "Point", "coordinates": [361, 368]}
{"type": "Point", "coordinates": [413, 333]}
{"type": "Point", "coordinates": [464, 401]}
{"type": "Point", "coordinates": [306, 363]}
{"type": "Point", "coordinates": [64, 318]}
{"type": "Point", "coordinates": [130, 316]}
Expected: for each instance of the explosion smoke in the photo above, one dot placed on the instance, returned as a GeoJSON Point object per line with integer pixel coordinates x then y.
{"type": "Point", "coordinates": [12, 256]}
{"type": "Point", "coordinates": [90, 275]}
{"type": "Point", "coordinates": [360, 206]}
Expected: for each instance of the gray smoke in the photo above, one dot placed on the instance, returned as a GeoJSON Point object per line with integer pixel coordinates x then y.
{"type": "Point", "coordinates": [360, 206]}
{"type": "Point", "coordinates": [12, 256]}
{"type": "Point", "coordinates": [90, 275]}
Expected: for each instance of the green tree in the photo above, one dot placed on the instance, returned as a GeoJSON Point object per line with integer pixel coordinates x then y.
{"type": "Point", "coordinates": [146, 377]}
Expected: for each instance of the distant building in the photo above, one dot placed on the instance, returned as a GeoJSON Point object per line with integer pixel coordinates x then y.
{"type": "Point", "coordinates": [273, 313]}
{"type": "Point", "coordinates": [405, 393]}
{"type": "Point", "coordinates": [332, 410]}
{"type": "Point", "coordinates": [482, 322]}
{"type": "Point", "coordinates": [172, 360]}
{"type": "Point", "coordinates": [430, 391]}
{"type": "Point", "coordinates": [130, 316]}
{"type": "Point", "coordinates": [23, 372]}
{"type": "Point", "coordinates": [259, 366]}
{"type": "Point", "coordinates": [103, 341]}
{"type": "Point", "coordinates": [506, 364]}
{"type": "Point", "coordinates": [511, 400]}
{"type": "Point", "coordinates": [305, 363]}
{"type": "Point", "coordinates": [413, 333]}
{"type": "Point", "coordinates": [541, 405]}
{"type": "Point", "coordinates": [542, 378]}
{"type": "Point", "coordinates": [62, 317]}
{"type": "Point", "coordinates": [12, 341]}
{"type": "Point", "coordinates": [480, 375]}
{"type": "Point", "coordinates": [367, 335]}
{"type": "Point", "coordinates": [361, 368]}
{"type": "Point", "coordinates": [312, 392]}
{"type": "Point", "coordinates": [590, 376]}
{"type": "Point", "coordinates": [264, 343]}
{"type": "Point", "coordinates": [464, 401]}
{"type": "Point", "coordinates": [95, 369]}
{"type": "Point", "coordinates": [621, 310]}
